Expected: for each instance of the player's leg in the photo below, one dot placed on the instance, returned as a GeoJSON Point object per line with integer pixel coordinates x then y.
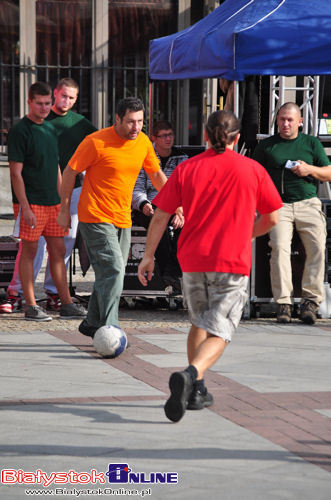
{"type": "Point", "coordinates": [53, 234]}
{"type": "Point", "coordinates": [29, 249]}
{"type": "Point", "coordinates": [56, 252]}
{"type": "Point", "coordinates": [280, 262]}
{"type": "Point", "coordinates": [215, 302]}
{"type": "Point", "coordinates": [107, 248]}
{"type": "Point", "coordinates": [53, 299]}
{"type": "Point", "coordinates": [311, 226]}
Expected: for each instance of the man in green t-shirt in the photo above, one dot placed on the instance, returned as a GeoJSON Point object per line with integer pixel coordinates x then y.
{"type": "Point", "coordinates": [296, 163]}
{"type": "Point", "coordinates": [36, 182]}
{"type": "Point", "coordinates": [70, 129]}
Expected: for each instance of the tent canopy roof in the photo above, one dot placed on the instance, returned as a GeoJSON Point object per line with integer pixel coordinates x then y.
{"type": "Point", "coordinates": [249, 37]}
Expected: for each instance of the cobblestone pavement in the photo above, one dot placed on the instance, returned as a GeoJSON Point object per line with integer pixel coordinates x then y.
{"type": "Point", "coordinates": [64, 408]}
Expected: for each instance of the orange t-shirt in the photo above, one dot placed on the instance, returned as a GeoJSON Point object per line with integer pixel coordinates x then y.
{"type": "Point", "coordinates": [112, 166]}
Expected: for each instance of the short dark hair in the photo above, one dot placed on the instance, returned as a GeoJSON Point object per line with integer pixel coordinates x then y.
{"type": "Point", "coordinates": [222, 128]}
{"type": "Point", "coordinates": [68, 82]}
{"type": "Point", "coordinates": [161, 125]}
{"type": "Point", "coordinates": [39, 88]}
{"type": "Point", "coordinates": [129, 103]}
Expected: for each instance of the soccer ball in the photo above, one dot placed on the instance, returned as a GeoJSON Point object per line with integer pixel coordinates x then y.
{"type": "Point", "coordinates": [109, 341]}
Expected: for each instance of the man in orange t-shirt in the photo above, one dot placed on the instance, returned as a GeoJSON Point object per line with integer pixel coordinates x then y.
{"type": "Point", "coordinates": [112, 159]}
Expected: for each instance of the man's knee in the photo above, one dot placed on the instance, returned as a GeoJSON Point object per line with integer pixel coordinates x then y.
{"type": "Point", "coordinates": [278, 249]}
{"type": "Point", "coordinates": [29, 249]}
{"type": "Point", "coordinates": [109, 264]}
{"type": "Point", "coordinates": [56, 248]}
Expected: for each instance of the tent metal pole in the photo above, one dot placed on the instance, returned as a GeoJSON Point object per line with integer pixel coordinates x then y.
{"type": "Point", "coordinates": [236, 103]}
{"type": "Point", "coordinates": [306, 102]}
{"type": "Point", "coordinates": [150, 109]}
{"type": "Point", "coordinates": [236, 98]}
{"type": "Point", "coordinates": [272, 103]}
{"type": "Point", "coordinates": [316, 104]}
{"type": "Point", "coordinates": [282, 84]}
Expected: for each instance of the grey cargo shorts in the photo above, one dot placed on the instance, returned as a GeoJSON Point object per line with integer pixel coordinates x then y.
{"type": "Point", "coordinates": [215, 301]}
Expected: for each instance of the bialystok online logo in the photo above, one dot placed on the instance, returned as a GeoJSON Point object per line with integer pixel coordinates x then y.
{"type": "Point", "coordinates": [116, 474]}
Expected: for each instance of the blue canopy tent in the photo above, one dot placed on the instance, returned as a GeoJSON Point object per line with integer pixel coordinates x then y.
{"type": "Point", "coordinates": [249, 37]}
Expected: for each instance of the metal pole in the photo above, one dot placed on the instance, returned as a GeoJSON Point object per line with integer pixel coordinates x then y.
{"type": "Point", "coordinates": [305, 110]}
{"type": "Point", "coordinates": [150, 106]}
{"type": "Point", "coordinates": [315, 104]}
{"type": "Point", "coordinates": [236, 98]}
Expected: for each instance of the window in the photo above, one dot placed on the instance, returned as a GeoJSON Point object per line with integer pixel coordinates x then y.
{"type": "Point", "coordinates": [64, 34]}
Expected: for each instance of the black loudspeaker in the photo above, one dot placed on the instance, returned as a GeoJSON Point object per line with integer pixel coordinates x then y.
{"type": "Point", "coordinates": [260, 278]}
{"type": "Point", "coordinates": [326, 207]}
{"type": "Point", "coordinates": [132, 285]}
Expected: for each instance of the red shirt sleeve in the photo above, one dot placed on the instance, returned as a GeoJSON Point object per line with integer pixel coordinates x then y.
{"type": "Point", "coordinates": [268, 199]}
{"type": "Point", "coordinates": [170, 196]}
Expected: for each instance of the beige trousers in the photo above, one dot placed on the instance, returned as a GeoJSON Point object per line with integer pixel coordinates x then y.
{"type": "Point", "coordinates": [309, 220]}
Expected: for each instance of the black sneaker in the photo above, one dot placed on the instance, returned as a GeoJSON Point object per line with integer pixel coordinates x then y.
{"type": "Point", "coordinates": [308, 312]}
{"type": "Point", "coordinates": [86, 329]}
{"type": "Point", "coordinates": [199, 400]}
{"type": "Point", "coordinates": [284, 313]}
{"type": "Point", "coordinates": [180, 384]}
{"type": "Point", "coordinates": [36, 313]}
{"type": "Point", "coordinates": [72, 311]}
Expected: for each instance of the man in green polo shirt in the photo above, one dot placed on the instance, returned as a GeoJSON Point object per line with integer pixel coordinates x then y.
{"type": "Point", "coordinates": [36, 181]}
{"type": "Point", "coordinates": [70, 129]}
{"type": "Point", "coordinates": [296, 163]}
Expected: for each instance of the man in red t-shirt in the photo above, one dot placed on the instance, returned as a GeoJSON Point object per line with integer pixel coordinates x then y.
{"type": "Point", "coordinates": [220, 192]}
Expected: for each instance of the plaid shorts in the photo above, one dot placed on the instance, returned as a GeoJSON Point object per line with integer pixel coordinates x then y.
{"type": "Point", "coordinates": [215, 301]}
{"type": "Point", "coordinates": [46, 223]}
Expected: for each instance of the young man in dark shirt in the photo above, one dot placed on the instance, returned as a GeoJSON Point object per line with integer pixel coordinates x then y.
{"type": "Point", "coordinates": [36, 183]}
{"type": "Point", "coordinates": [70, 129]}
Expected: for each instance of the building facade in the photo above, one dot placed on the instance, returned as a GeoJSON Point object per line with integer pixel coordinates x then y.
{"type": "Point", "coordinates": [103, 45]}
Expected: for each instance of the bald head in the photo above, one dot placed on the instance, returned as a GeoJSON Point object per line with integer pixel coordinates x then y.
{"type": "Point", "coordinates": [290, 106]}
{"type": "Point", "coordinates": [289, 120]}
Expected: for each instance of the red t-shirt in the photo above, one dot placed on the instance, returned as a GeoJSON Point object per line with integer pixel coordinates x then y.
{"type": "Point", "coordinates": [220, 194]}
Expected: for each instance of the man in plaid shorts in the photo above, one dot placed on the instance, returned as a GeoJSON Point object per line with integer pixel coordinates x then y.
{"type": "Point", "coordinates": [36, 180]}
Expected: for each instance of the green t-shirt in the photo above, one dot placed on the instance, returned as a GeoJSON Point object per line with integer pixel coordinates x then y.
{"type": "Point", "coordinates": [70, 130]}
{"type": "Point", "coordinates": [274, 152]}
{"type": "Point", "coordinates": [35, 146]}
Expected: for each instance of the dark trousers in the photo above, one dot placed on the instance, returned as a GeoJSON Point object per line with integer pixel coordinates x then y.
{"type": "Point", "coordinates": [107, 247]}
{"type": "Point", "coordinates": [166, 252]}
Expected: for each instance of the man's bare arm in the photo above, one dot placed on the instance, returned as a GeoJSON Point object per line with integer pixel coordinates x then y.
{"type": "Point", "coordinates": [264, 222]}
{"type": "Point", "coordinates": [59, 181]}
{"type": "Point", "coordinates": [158, 179]}
{"type": "Point", "coordinates": [19, 190]}
{"type": "Point", "coordinates": [320, 173]}
{"type": "Point", "coordinates": [68, 183]}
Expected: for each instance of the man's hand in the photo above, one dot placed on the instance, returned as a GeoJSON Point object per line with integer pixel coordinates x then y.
{"type": "Point", "coordinates": [146, 266]}
{"type": "Point", "coordinates": [29, 217]}
{"type": "Point", "coordinates": [303, 169]}
{"type": "Point", "coordinates": [148, 210]}
{"type": "Point", "coordinates": [64, 220]}
{"type": "Point", "coordinates": [322, 174]}
{"type": "Point", "coordinates": [178, 219]}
